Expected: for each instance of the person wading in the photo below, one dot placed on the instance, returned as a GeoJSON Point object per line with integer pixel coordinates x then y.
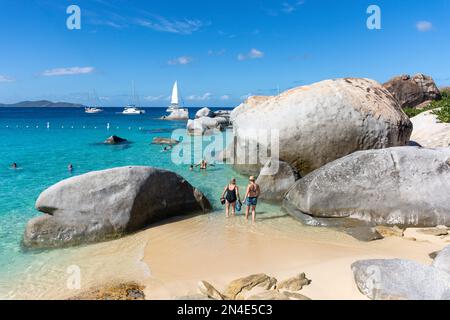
{"type": "Point", "coordinates": [251, 198]}
{"type": "Point", "coordinates": [230, 195]}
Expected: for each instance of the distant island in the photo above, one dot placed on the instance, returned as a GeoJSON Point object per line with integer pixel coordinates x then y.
{"type": "Point", "coordinates": [42, 104]}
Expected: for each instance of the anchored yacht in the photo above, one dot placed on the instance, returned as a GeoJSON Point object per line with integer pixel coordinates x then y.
{"type": "Point", "coordinates": [93, 110]}
{"type": "Point", "coordinates": [131, 109]}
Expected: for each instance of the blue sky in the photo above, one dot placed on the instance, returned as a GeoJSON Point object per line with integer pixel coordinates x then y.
{"type": "Point", "coordinates": [219, 51]}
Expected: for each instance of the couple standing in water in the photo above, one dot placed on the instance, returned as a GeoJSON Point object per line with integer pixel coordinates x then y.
{"type": "Point", "coordinates": [231, 197]}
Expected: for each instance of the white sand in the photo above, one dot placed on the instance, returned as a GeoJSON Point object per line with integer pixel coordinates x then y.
{"type": "Point", "coordinates": [218, 250]}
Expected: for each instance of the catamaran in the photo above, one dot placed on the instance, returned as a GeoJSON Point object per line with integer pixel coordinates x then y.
{"type": "Point", "coordinates": [175, 102]}
{"type": "Point", "coordinates": [131, 109]}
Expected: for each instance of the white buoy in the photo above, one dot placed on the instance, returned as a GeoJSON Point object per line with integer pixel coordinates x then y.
{"type": "Point", "coordinates": [107, 126]}
{"type": "Point", "coordinates": [48, 125]}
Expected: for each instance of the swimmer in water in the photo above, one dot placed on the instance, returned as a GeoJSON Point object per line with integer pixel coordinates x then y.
{"type": "Point", "coordinates": [14, 165]}
{"type": "Point", "coordinates": [70, 167]}
{"type": "Point", "coordinates": [204, 164]}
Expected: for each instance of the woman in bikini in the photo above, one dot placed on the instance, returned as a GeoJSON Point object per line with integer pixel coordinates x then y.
{"type": "Point", "coordinates": [231, 195]}
{"type": "Point", "coordinates": [251, 198]}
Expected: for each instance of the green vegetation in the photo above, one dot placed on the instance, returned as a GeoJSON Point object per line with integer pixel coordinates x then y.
{"type": "Point", "coordinates": [443, 114]}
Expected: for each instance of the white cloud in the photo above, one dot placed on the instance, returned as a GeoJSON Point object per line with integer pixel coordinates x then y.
{"type": "Point", "coordinates": [253, 54]}
{"type": "Point", "coordinates": [154, 98]}
{"type": "Point", "coordinates": [162, 24]}
{"type": "Point", "coordinates": [288, 7]}
{"type": "Point", "coordinates": [203, 97]}
{"type": "Point", "coordinates": [6, 79]}
{"type": "Point", "coordinates": [424, 26]}
{"type": "Point", "coordinates": [225, 97]}
{"type": "Point", "coordinates": [67, 71]}
{"type": "Point", "coordinates": [183, 60]}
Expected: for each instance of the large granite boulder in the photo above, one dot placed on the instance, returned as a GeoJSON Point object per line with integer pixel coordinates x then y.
{"type": "Point", "coordinates": [400, 280]}
{"type": "Point", "coordinates": [411, 92]}
{"type": "Point", "coordinates": [310, 126]}
{"type": "Point", "coordinates": [275, 179]}
{"type": "Point", "coordinates": [403, 186]}
{"type": "Point", "coordinates": [177, 114]}
{"type": "Point", "coordinates": [429, 132]}
{"type": "Point", "coordinates": [204, 112]}
{"type": "Point", "coordinates": [442, 260]}
{"type": "Point", "coordinates": [206, 125]}
{"type": "Point", "coordinates": [251, 102]}
{"type": "Point", "coordinates": [107, 204]}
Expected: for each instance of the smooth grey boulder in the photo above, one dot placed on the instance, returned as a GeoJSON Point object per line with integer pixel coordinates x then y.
{"type": "Point", "coordinates": [313, 125]}
{"type": "Point", "coordinates": [403, 186]}
{"type": "Point", "coordinates": [429, 132]}
{"type": "Point", "coordinates": [413, 91]}
{"type": "Point", "coordinates": [442, 260]}
{"type": "Point", "coordinates": [400, 280]}
{"type": "Point", "coordinates": [275, 179]}
{"type": "Point", "coordinates": [206, 125]}
{"type": "Point", "coordinates": [107, 204]}
{"type": "Point", "coordinates": [204, 112]}
{"type": "Point", "coordinates": [169, 141]}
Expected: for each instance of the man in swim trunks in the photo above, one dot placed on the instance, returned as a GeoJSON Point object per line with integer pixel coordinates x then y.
{"type": "Point", "coordinates": [251, 198]}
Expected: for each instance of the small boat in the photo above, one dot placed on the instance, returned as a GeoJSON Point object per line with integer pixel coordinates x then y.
{"type": "Point", "coordinates": [95, 101]}
{"type": "Point", "coordinates": [131, 109]}
{"type": "Point", "coordinates": [93, 110]}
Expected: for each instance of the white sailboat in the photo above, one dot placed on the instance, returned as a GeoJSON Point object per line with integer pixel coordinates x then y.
{"type": "Point", "coordinates": [131, 109]}
{"type": "Point", "coordinates": [175, 101]}
{"type": "Point", "coordinates": [94, 108]}
{"type": "Point", "coordinates": [176, 113]}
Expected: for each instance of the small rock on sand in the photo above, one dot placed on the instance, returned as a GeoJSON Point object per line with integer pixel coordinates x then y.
{"type": "Point", "coordinates": [295, 283]}
{"type": "Point", "coordinates": [241, 285]}
{"type": "Point", "coordinates": [208, 290]}
{"type": "Point", "coordinates": [438, 231]}
{"type": "Point", "coordinates": [390, 231]}
{"type": "Point", "coordinates": [122, 291]}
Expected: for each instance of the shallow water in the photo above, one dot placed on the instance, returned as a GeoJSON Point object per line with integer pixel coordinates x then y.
{"type": "Point", "coordinates": [43, 154]}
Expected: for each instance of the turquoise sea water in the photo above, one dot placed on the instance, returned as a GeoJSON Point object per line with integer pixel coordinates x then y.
{"type": "Point", "coordinates": [75, 137]}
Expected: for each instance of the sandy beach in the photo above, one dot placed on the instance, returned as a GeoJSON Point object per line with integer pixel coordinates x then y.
{"type": "Point", "coordinates": [217, 250]}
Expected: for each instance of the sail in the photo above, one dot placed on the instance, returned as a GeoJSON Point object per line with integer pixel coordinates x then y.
{"type": "Point", "coordinates": [175, 93]}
